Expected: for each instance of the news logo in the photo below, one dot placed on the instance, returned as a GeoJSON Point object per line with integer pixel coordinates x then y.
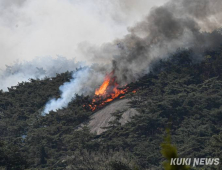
{"type": "Point", "coordinates": [195, 161]}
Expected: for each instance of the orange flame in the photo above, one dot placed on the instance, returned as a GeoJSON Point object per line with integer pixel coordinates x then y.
{"type": "Point", "coordinates": [103, 88]}
{"type": "Point", "coordinates": [107, 92]}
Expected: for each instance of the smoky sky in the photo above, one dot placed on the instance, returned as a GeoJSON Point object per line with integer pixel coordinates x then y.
{"type": "Point", "coordinates": [38, 28]}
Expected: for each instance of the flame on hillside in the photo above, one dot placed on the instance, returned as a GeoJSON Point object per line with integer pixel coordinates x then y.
{"type": "Point", "coordinates": [107, 92]}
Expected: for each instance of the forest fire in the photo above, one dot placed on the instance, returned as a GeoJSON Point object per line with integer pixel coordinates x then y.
{"type": "Point", "coordinates": [107, 92]}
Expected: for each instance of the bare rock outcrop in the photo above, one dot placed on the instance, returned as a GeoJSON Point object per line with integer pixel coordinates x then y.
{"type": "Point", "coordinates": [102, 118]}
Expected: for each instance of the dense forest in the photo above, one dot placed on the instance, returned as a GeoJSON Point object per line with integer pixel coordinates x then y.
{"type": "Point", "coordinates": [180, 93]}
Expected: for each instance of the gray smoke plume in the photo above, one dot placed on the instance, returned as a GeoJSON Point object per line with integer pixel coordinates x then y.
{"type": "Point", "coordinates": [178, 24]}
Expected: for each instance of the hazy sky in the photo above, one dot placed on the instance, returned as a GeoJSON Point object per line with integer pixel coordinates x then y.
{"type": "Point", "coordinates": [30, 28]}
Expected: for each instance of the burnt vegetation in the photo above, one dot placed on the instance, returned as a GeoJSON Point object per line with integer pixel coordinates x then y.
{"type": "Point", "coordinates": [178, 93]}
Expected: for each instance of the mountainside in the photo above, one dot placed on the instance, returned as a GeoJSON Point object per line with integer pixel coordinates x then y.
{"type": "Point", "coordinates": [180, 93]}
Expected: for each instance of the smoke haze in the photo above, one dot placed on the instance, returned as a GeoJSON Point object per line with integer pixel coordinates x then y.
{"type": "Point", "coordinates": [37, 68]}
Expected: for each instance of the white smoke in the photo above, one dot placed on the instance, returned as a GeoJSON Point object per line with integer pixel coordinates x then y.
{"type": "Point", "coordinates": [79, 84]}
